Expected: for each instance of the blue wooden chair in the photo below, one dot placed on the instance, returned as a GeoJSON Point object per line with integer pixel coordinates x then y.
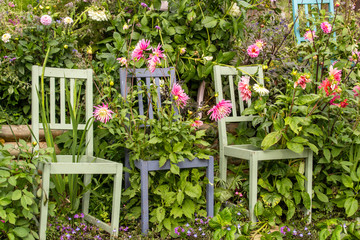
{"type": "Point", "coordinates": [147, 166]}
{"type": "Point", "coordinates": [225, 78]}
{"type": "Point", "coordinates": [307, 4]}
{"type": "Point", "coordinates": [55, 80]}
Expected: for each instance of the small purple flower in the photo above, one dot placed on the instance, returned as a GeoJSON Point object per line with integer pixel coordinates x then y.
{"type": "Point", "coordinates": [144, 5]}
{"type": "Point", "coordinates": [305, 228]}
{"type": "Point", "coordinates": [82, 215]}
{"type": "Point", "coordinates": [76, 216]}
{"type": "Point", "coordinates": [203, 234]}
{"type": "Point", "coordinates": [69, 218]}
{"type": "Point", "coordinates": [195, 235]}
{"type": "Point", "coordinates": [200, 229]}
{"type": "Point", "coordinates": [228, 228]}
{"type": "Point", "coordinates": [309, 233]}
{"type": "Point", "coordinates": [238, 213]}
{"type": "Point", "coordinates": [5, 57]}
{"type": "Point", "coordinates": [301, 235]}
{"type": "Point", "coordinates": [157, 27]}
{"type": "Point", "coordinates": [187, 225]}
{"type": "Point", "coordinates": [294, 232]}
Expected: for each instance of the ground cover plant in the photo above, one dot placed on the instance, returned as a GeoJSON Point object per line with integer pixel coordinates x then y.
{"type": "Point", "coordinates": [311, 99]}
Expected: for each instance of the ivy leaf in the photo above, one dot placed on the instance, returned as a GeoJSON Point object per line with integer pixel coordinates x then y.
{"type": "Point", "coordinates": [160, 214]}
{"type": "Point", "coordinates": [175, 169]}
{"type": "Point", "coordinates": [188, 208]}
{"type": "Point", "coordinates": [271, 139]}
{"type": "Point", "coordinates": [178, 147]}
{"type": "Point", "coordinates": [167, 224]}
{"type": "Point", "coordinates": [283, 186]}
{"type": "Point", "coordinates": [351, 206]}
{"type": "Point", "coordinates": [162, 161]}
{"type": "Point", "coordinates": [193, 191]}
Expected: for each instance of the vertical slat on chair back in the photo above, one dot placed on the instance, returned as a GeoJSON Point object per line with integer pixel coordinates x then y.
{"type": "Point", "coordinates": [307, 5]}
{"type": "Point", "coordinates": [227, 88]}
{"type": "Point", "coordinates": [64, 78]}
{"type": "Point", "coordinates": [144, 76]}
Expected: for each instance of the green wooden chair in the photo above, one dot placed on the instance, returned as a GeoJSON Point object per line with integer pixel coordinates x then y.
{"type": "Point", "coordinates": [88, 164]}
{"type": "Point", "coordinates": [247, 151]}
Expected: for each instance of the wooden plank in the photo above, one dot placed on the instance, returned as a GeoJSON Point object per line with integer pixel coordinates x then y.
{"type": "Point", "coordinates": [83, 168]}
{"type": "Point", "coordinates": [154, 164]}
{"type": "Point", "coordinates": [72, 91]}
{"type": "Point", "coordinates": [157, 82]}
{"type": "Point", "coordinates": [52, 100]}
{"type": "Point", "coordinates": [67, 126]}
{"type": "Point", "coordinates": [140, 97]}
{"type": "Point", "coordinates": [62, 72]}
{"type": "Point", "coordinates": [149, 99]}
{"type": "Point", "coordinates": [98, 223]}
{"type": "Point", "coordinates": [62, 101]}
{"type": "Point", "coordinates": [232, 95]}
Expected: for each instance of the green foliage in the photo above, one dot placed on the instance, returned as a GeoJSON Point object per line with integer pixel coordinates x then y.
{"type": "Point", "coordinates": [18, 183]}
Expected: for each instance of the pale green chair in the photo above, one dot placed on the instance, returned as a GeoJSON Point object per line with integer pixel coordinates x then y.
{"type": "Point", "coordinates": [248, 152]}
{"type": "Point", "coordinates": [88, 164]}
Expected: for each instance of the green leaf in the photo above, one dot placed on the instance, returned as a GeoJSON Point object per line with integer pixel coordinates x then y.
{"type": "Point", "coordinates": [271, 139]}
{"type": "Point", "coordinates": [188, 208]}
{"type": "Point", "coordinates": [162, 161]}
{"type": "Point", "coordinates": [347, 181]}
{"type": "Point", "coordinates": [193, 191]}
{"type": "Point", "coordinates": [155, 140]}
{"type": "Point", "coordinates": [327, 154]}
{"type": "Point", "coordinates": [69, 63]}
{"type": "Point", "coordinates": [295, 147]}
{"type": "Point", "coordinates": [297, 197]}
{"type": "Point", "coordinates": [307, 99]}
{"type": "Point", "coordinates": [259, 208]}
{"type": "Point", "coordinates": [322, 197]}
{"type": "Point", "coordinates": [271, 199]}
{"type": "Point", "coordinates": [324, 234]}
{"type": "Point", "coordinates": [176, 212]}
{"type": "Point", "coordinates": [167, 224]}
{"type": "Point", "coordinates": [351, 206]}
{"type": "Point", "coordinates": [178, 147]}
{"type": "Point", "coordinates": [4, 174]}
{"type": "Point", "coordinates": [209, 22]}
{"type": "Point", "coordinates": [306, 200]}
{"type": "Point", "coordinates": [16, 195]}
{"type": "Point", "coordinates": [180, 197]}
{"type": "Point", "coordinates": [294, 122]}
{"type": "Point", "coordinates": [291, 209]}
{"type": "Point", "coordinates": [21, 232]}
{"type": "Point", "coordinates": [175, 169]}
{"type": "Point", "coordinates": [314, 130]}
{"type": "Point", "coordinates": [283, 186]}
{"type": "Point", "coordinates": [244, 4]}
{"type": "Point", "coordinates": [200, 134]}
{"type": "Point", "coordinates": [160, 214]}
{"type": "Point", "coordinates": [12, 180]}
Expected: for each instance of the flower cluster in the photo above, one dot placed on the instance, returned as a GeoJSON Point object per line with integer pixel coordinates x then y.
{"type": "Point", "coordinates": [180, 97]}
{"type": "Point", "coordinates": [198, 230]}
{"type": "Point", "coordinates": [6, 37]}
{"type": "Point", "coordinates": [310, 35]}
{"type": "Point", "coordinates": [102, 113]}
{"type": "Point", "coordinates": [235, 10]}
{"type": "Point", "coordinates": [302, 80]}
{"type": "Point", "coordinates": [254, 49]}
{"type": "Point", "coordinates": [98, 15]}
{"type": "Point", "coordinates": [45, 20]}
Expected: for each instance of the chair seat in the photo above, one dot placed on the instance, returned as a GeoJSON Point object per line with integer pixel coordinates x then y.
{"type": "Point", "coordinates": [249, 152]}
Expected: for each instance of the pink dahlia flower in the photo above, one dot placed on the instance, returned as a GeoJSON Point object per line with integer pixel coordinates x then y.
{"type": "Point", "coordinates": [102, 113]}
{"type": "Point", "coordinates": [335, 74]}
{"type": "Point", "coordinates": [45, 20]}
{"type": "Point", "coordinates": [244, 88]}
{"type": "Point", "coordinates": [253, 51]}
{"type": "Point", "coordinates": [220, 110]}
{"type": "Point", "coordinates": [181, 98]}
{"type": "Point", "coordinates": [356, 91]}
{"type": "Point", "coordinates": [326, 27]}
{"type": "Point", "coordinates": [158, 52]}
{"type": "Point", "coordinates": [143, 44]}
{"type": "Point", "coordinates": [310, 35]}
{"type": "Point", "coordinates": [122, 61]}
{"type": "Point", "coordinates": [330, 89]}
{"type": "Point", "coordinates": [152, 64]}
{"type": "Point", "coordinates": [197, 124]}
{"type": "Point", "coordinates": [303, 79]}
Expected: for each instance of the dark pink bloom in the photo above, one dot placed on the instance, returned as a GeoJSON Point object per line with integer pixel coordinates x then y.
{"type": "Point", "coordinates": [356, 90]}
{"type": "Point", "coordinates": [330, 89]}
{"type": "Point", "coordinates": [303, 79]}
{"type": "Point", "coordinates": [152, 64]}
{"type": "Point", "coordinates": [143, 44]}
{"type": "Point", "coordinates": [102, 113]}
{"type": "Point", "coordinates": [220, 110]}
{"type": "Point", "coordinates": [326, 27]}
{"type": "Point", "coordinates": [253, 51]}
{"type": "Point", "coordinates": [197, 124]}
{"type": "Point", "coordinates": [244, 88]}
{"type": "Point", "coordinates": [157, 27]}
{"type": "Point", "coordinates": [158, 52]}
{"type": "Point", "coordinates": [140, 47]}
{"type": "Point", "coordinates": [180, 97]}
{"type": "Point", "coordinates": [334, 99]}
{"type": "Point", "coordinates": [344, 103]}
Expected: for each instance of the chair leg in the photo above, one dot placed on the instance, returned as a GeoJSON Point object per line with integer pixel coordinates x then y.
{"type": "Point", "coordinates": [222, 166]}
{"type": "Point", "coordinates": [210, 188]}
{"type": "Point", "coordinates": [86, 197]}
{"type": "Point", "coordinates": [116, 201]}
{"type": "Point", "coordinates": [144, 197]}
{"type": "Point", "coordinates": [253, 175]}
{"type": "Point", "coordinates": [308, 182]}
{"type": "Point", "coordinates": [44, 201]}
{"type": "Point", "coordinates": [127, 165]}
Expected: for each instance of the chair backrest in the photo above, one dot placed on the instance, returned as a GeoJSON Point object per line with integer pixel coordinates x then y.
{"type": "Point", "coordinates": [55, 80]}
{"type": "Point", "coordinates": [225, 86]}
{"type": "Point", "coordinates": [307, 4]}
{"type": "Point", "coordinates": [143, 75]}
